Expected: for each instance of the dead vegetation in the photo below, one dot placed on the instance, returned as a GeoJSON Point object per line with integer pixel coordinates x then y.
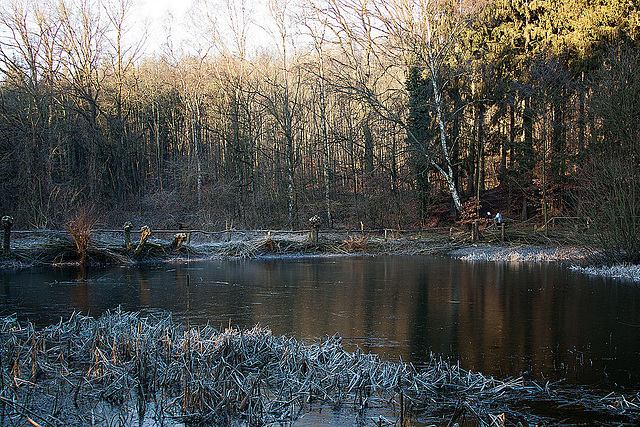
{"type": "Point", "coordinates": [81, 227]}
{"type": "Point", "coordinates": [82, 244]}
{"type": "Point", "coordinates": [123, 368]}
{"type": "Point", "coordinates": [355, 245]}
{"type": "Point", "coordinates": [261, 246]}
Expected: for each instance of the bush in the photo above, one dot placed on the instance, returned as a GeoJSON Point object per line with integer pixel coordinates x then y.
{"type": "Point", "coordinates": [611, 199]}
{"type": "Point", "coordinates": [81, 227]}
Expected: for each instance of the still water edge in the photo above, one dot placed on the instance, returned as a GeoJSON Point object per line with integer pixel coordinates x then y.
{"type": "Point", "coordinates": [541, 321]}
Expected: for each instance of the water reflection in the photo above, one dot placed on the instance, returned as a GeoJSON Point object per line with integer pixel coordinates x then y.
{"type": "Point", "coordinates": [504, 319]}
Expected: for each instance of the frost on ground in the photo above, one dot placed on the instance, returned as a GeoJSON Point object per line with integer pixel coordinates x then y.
{"type": "Point", "coordinates": [546, 254]}
{"type": "Point", "coordinates": [519, 253]}
{"type": "Point", "coordinates": [622, 271]}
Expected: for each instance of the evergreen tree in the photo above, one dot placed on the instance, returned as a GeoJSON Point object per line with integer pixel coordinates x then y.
{"type": "Point", "coordinates": [420, 123]}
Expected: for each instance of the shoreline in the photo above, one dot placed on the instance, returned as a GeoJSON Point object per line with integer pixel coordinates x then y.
{"type": "Point", "coordinates": [520, 253]}
{"type": "Point", "coordinates": [56, 249]}
{"type": "Point", "coordinates": [575, 259]}
{"type": "Point", "coordinates": [620, 271]}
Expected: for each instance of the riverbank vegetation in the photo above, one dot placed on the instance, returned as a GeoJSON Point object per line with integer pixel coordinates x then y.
{"type": "Point", "coordinates": [123, 247]}
{"type": "Point", "coordinates": [393, 114]}
{"type": "Point", "coordinates": [125, 368]}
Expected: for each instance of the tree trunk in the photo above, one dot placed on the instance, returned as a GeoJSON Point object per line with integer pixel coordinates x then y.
{"type": "Point", "coordinates": [7, 223]}
{"type": "Point", "coordinates": [448, 173]}
{"type": "Point", "coordinates": [325, 148]}
{"type": "Point", "coordinates": [581, 117]}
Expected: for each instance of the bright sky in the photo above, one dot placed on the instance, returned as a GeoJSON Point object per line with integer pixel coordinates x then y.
{"type": "Point", "coordinates": [177, 16]}
{"type": "Point", "coordinates": [160, 15]}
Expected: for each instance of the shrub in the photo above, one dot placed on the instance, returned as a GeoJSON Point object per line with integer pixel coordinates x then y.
{"type": "Point", "coordinates": [81, 227]}
{"type": "Point", "coordinates": [610, 197]}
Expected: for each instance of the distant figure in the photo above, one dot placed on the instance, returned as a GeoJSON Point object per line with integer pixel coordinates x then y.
{"type": "Point", "coordinates": [498, 218]}
{"type": "Point", "coordinates": [488, 215]}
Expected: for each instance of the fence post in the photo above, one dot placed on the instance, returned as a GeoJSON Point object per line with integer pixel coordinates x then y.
{"type": "Point", "coordinates": [502, 232]}
{"type": "Point", "coordinates": [475, 231]}
{"type": "Point", "coordinates": [7, 223]}
{"type": "Point", "coordinates": [314, 222]}
{"type": "Point", "coordinates": [177, 242]}
{"type": "Point", "coordinates": [127, 235]}
{"type": "Point", "coordinates": [145, 233]}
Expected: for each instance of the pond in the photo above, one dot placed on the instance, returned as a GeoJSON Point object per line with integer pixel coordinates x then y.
{"type": "Point", "coordinates": [541, 321]}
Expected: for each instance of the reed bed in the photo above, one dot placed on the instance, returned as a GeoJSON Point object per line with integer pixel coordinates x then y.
{"type": "Point", "coordinates": [106, 247]}
{"type": "Point", "coordinates": [60, 249]}
{"type": "Point", "coordinates": [124, 368]}
{"type": "Point", "coordinates": [261, 246]}
{"type": "Point", "coordinates": [56, 248]}
{"type": "Point", "coordinates": [337, 245]}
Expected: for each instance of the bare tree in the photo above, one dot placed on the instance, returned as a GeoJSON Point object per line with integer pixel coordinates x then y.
{"type": "Point", "coordinates": [282, 98]}
{"type": "Point", "coordinates": [191, 72]}
{"type": "Point", "coordinates": [229, 25]}
{"type": "Point", "coordinates": [82, 43]}
{"type": "Point", "coordinates": [29, 59]}
{"type": "Point", "coordinates": [83, 40]}
{"type": "Point", "coordinates": [318, 30]}
{"type": "Point", "coordinates": [123, 52]}
{"type": "Point", "coordinates": [375, 42]}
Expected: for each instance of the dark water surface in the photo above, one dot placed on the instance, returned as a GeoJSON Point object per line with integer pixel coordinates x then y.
{"type": "Point", "coordinates": [503, 319]}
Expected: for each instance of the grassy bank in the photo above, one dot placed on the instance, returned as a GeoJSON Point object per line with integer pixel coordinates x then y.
{"type": "Point", "coordinates": [124, 368]}
{"type": "Point", "coordinates": [112, 247]}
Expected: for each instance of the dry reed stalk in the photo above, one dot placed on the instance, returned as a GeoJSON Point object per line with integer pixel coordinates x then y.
{"type": "Point", "coordinates": [122, 363]}
{"type": "Point", "coordinates": [355, 244]}
{"type": "Point", "coordinates": [81, 227]}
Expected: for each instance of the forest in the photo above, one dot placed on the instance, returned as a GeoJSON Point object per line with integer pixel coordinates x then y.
{"type": "Point", "coordinates": [395, 113]}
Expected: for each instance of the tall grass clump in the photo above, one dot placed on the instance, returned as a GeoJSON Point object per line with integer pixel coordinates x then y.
{"type": "Point", "coordinates": [81, 226]}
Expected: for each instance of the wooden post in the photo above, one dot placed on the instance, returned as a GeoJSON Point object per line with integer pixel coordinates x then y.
{"type": "Point", "coordinates": [502, 232]}
{"type": "Point", "coordinates": [450, 234]}
{"type": "Point", "coordinates": [314, 222]}
{"type": "Point", "coordinates": [475, 232]}
{"type": "Point", "coordinates": [178, 239]}
{"type": "Point", "coordinates": [7, 223]}
{"type": "Point", "coordinates": [362, 228]}
{"type": "Point", "coordinates": [385, 234]}
{"type": "Point", "coordinates": [145, 232]}
{"type": "Point", "coordinates": [401, 409]}
{"type": "Point", "coordinates": [127, 235]}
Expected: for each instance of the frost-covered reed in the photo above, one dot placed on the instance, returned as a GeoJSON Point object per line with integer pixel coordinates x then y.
{"type": "Point", "coordinates": [125, 368]}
